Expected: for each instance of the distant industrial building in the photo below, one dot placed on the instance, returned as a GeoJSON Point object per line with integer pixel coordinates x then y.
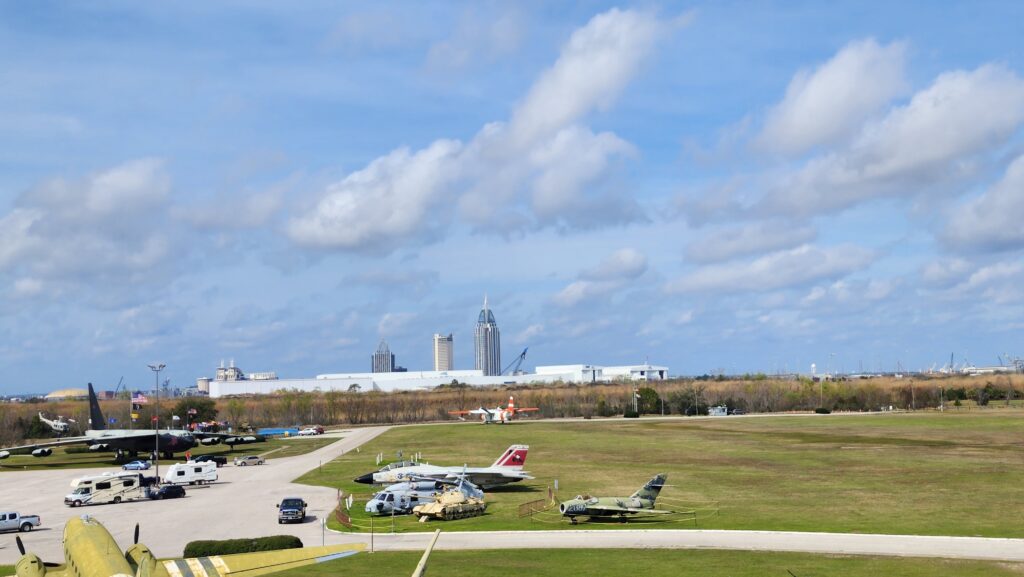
{"type": "Point", "coordinates": [68, 395]}
{"type": "Point", "coordinates": [413, 380]}
{"type": "Point", "coordinates": [443, 352]}
{"type": "Point", "coordinates": [383, 359]}
{"type": "Point", "coordinates": [487, 339]}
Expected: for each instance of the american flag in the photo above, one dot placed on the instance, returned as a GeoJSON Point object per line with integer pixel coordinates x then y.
{"type": "Point", "coordinates": [139, 399]}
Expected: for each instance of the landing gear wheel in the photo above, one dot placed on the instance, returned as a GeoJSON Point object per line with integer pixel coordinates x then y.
{"type": "Point", "coordinates": [573, 521]}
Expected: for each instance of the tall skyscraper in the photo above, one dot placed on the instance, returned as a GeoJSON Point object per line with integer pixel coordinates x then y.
{"type": "Point", "coordinates": [443, 346]}
{"type": "Point", "coordinates": [383, 360]}
{"type": "Point", "coordinates": [488, 342]}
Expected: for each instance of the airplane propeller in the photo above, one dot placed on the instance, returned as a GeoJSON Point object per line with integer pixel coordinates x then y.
{"type": "Point", "coordinates": [21, 546]}
{"type": "Point", "coordinates": [136, 539]}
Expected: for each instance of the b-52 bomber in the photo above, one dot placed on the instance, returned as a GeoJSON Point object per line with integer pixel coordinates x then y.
{"type": "Point", "coordinates": [641, 502]}
{"type": "Point", "coordinates": [507, 469]}
{"type": "Point", "coordinates": [90, 551]}
{"type": "Point", "coordinates": [131, 441]}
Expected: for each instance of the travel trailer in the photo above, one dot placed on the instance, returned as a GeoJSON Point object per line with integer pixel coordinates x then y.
{"type": "Point", "coordinates": [191, 472]}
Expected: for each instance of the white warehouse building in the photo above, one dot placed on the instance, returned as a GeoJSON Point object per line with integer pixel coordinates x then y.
{"type": "Point", "coordinates": [235, 382]}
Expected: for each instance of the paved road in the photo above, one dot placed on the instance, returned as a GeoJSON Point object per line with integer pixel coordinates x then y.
{"type": "Point", "coordinates": [832, 543]}
{"type": "Point", "coordinates": [242, 505]}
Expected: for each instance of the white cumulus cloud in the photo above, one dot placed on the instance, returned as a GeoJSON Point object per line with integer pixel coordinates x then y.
{"type": "Point", "coordinates": [994, 220]}
{"type": "Point", "coordinates": [778, 270]}
{"type": "Point", "coordinates": [541, 168]}
{"type": "Point", "coordinates": [935, 139]}
{"type": "Point", "coordinates": [749, 239]}
{"type": "Point", "coordinates": [832, 102]}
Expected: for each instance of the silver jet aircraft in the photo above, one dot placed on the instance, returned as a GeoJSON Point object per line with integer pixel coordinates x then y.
{"type": "Point", "coordinates": [507, 469]}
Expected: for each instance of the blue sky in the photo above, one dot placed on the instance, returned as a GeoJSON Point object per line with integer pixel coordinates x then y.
{"type": "Point", "coordinates": [736, 186]}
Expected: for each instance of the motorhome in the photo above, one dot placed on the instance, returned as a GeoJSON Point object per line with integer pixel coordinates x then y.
{"type": "Point", "coordinates": [191, 472]}
{"type": "Point", "coordinates": [105, 488]}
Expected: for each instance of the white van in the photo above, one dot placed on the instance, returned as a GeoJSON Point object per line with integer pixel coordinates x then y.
{"type": "Point", "coordinates": [191, 472]}
{"type": "Point", "coordinates": [105, 488]}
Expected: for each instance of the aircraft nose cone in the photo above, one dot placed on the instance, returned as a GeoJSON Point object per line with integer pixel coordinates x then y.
{"type": "Point", "coordinates": [366, 479]}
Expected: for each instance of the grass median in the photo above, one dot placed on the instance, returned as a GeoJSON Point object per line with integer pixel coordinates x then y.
{"type": "Point", "coordinates": [922, 473]}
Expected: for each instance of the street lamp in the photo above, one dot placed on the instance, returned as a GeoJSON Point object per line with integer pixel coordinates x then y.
{"type": "Point", "coordinates": [156, 452]}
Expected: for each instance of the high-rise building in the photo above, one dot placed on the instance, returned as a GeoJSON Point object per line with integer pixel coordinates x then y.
{"type": "Point", "coordinates": [488, 343]}
{"type": "Point", "coordinates": [383, 360]}
{"type": "Point", "coordinates": [443, 346]}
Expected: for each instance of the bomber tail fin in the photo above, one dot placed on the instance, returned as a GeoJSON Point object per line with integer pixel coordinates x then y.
{"type": "Point", "coordinates": [96, 420]}
{"type": "Point", "coordinates": [652, 488]}
{"type": "Point", "coordinates": [514, 457]}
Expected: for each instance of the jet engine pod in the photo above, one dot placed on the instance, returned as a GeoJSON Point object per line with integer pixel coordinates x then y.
{"type": "Point", "coordinates": [249, 439]}
{"type": "Point", "coordinates": [232, 440]}
{"type": "Point", "coordinates": [210, 441]}
{"type": "Point", "coordinates": [561, 508]}
{"type": "Point", "coordinates": [42, 452]}
{"type": "Point", "coordinates": [99, 447]}
{"type": "Point", "coordinates": [4, 454]}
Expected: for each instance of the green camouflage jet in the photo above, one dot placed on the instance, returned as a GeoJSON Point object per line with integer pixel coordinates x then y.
{"type": "Point", "coordinates": [641, 502]}
{"type": "Point", "coordinates": [90, 551]}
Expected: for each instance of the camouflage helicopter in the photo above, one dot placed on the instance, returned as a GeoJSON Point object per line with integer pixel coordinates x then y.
{"type": "Point", "coordinates": [641, 502]}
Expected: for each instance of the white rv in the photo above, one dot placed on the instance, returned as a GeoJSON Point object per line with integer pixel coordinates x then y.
{"type": "Point", "coordinates": [105, 488]}
{"type": "Point", "coordinates": [191, 472]}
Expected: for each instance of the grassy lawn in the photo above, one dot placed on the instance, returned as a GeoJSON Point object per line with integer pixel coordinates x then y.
{"type": "Point", "coordinates": [273, 449]}
{"type": "Point", "coordinates": [651, 563]}
{"type": "Point", "coordinates": [957, 473]}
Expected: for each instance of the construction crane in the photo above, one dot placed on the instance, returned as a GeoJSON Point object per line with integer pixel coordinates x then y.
{"type": "Point", "coordinates": [514, 365]}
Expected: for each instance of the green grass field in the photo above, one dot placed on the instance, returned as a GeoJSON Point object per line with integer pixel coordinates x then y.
{"type": "Point", "coordinates": [273, 449]}
{"type": "Point", "coordinates": [957, 473]}
{"type": "Point", "coordinates": [650, 563]}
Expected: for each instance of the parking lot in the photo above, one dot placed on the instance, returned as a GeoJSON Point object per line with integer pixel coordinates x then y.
{"type": "Point", "coordinates": [241, 504]}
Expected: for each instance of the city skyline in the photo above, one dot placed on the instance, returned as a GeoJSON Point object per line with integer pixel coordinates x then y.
{"type": "Point", "coordinates": [715, 187]}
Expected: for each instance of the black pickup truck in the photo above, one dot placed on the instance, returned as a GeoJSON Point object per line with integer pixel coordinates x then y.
{"type": "Point", "coordinates": [219, 459]}
{"type": "Point", "coordinates": [291, 510]}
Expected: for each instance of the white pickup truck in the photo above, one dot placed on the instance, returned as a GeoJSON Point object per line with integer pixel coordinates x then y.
{"type": "Point", "coordinates": [16, 522]}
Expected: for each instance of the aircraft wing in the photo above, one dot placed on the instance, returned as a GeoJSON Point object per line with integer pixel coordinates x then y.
{"type": "Point", "coordinates": [25, 449]}
{"type": "Point", "coordinates": [237, 439]}
{"type": "Point", "coordinates": [473, 412]}
{"type": "Point", "coordinates": [254, 564]}
{"type": "Point", "coordinates": [486, 478]}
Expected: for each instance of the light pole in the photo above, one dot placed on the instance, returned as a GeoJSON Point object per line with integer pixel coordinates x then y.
{"type": "Point", "coordinates": [156, 452]}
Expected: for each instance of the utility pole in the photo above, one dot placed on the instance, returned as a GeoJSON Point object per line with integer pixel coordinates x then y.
{"type": "Point", "coordinates": [156, 368]}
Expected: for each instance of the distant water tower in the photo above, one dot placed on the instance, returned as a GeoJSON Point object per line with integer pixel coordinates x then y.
{"type": "Point", "coordinates": [814, 369]}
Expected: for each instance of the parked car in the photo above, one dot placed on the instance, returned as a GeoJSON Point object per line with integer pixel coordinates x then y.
{"type": "Point", "coordinates": [167, 492]}
{"type": "Point", "coordinates": [137, 466]}
{"type": "Point", "coordinates": [291, 510]}
{"type": "Point", "coordinates": [15, 522]}
{"type": "Point", "coordinates": [248, 460]}
{"type": "Point", "coordinates": [221, 460]}
{"type": "Point", "coordinates": [309, 431]}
